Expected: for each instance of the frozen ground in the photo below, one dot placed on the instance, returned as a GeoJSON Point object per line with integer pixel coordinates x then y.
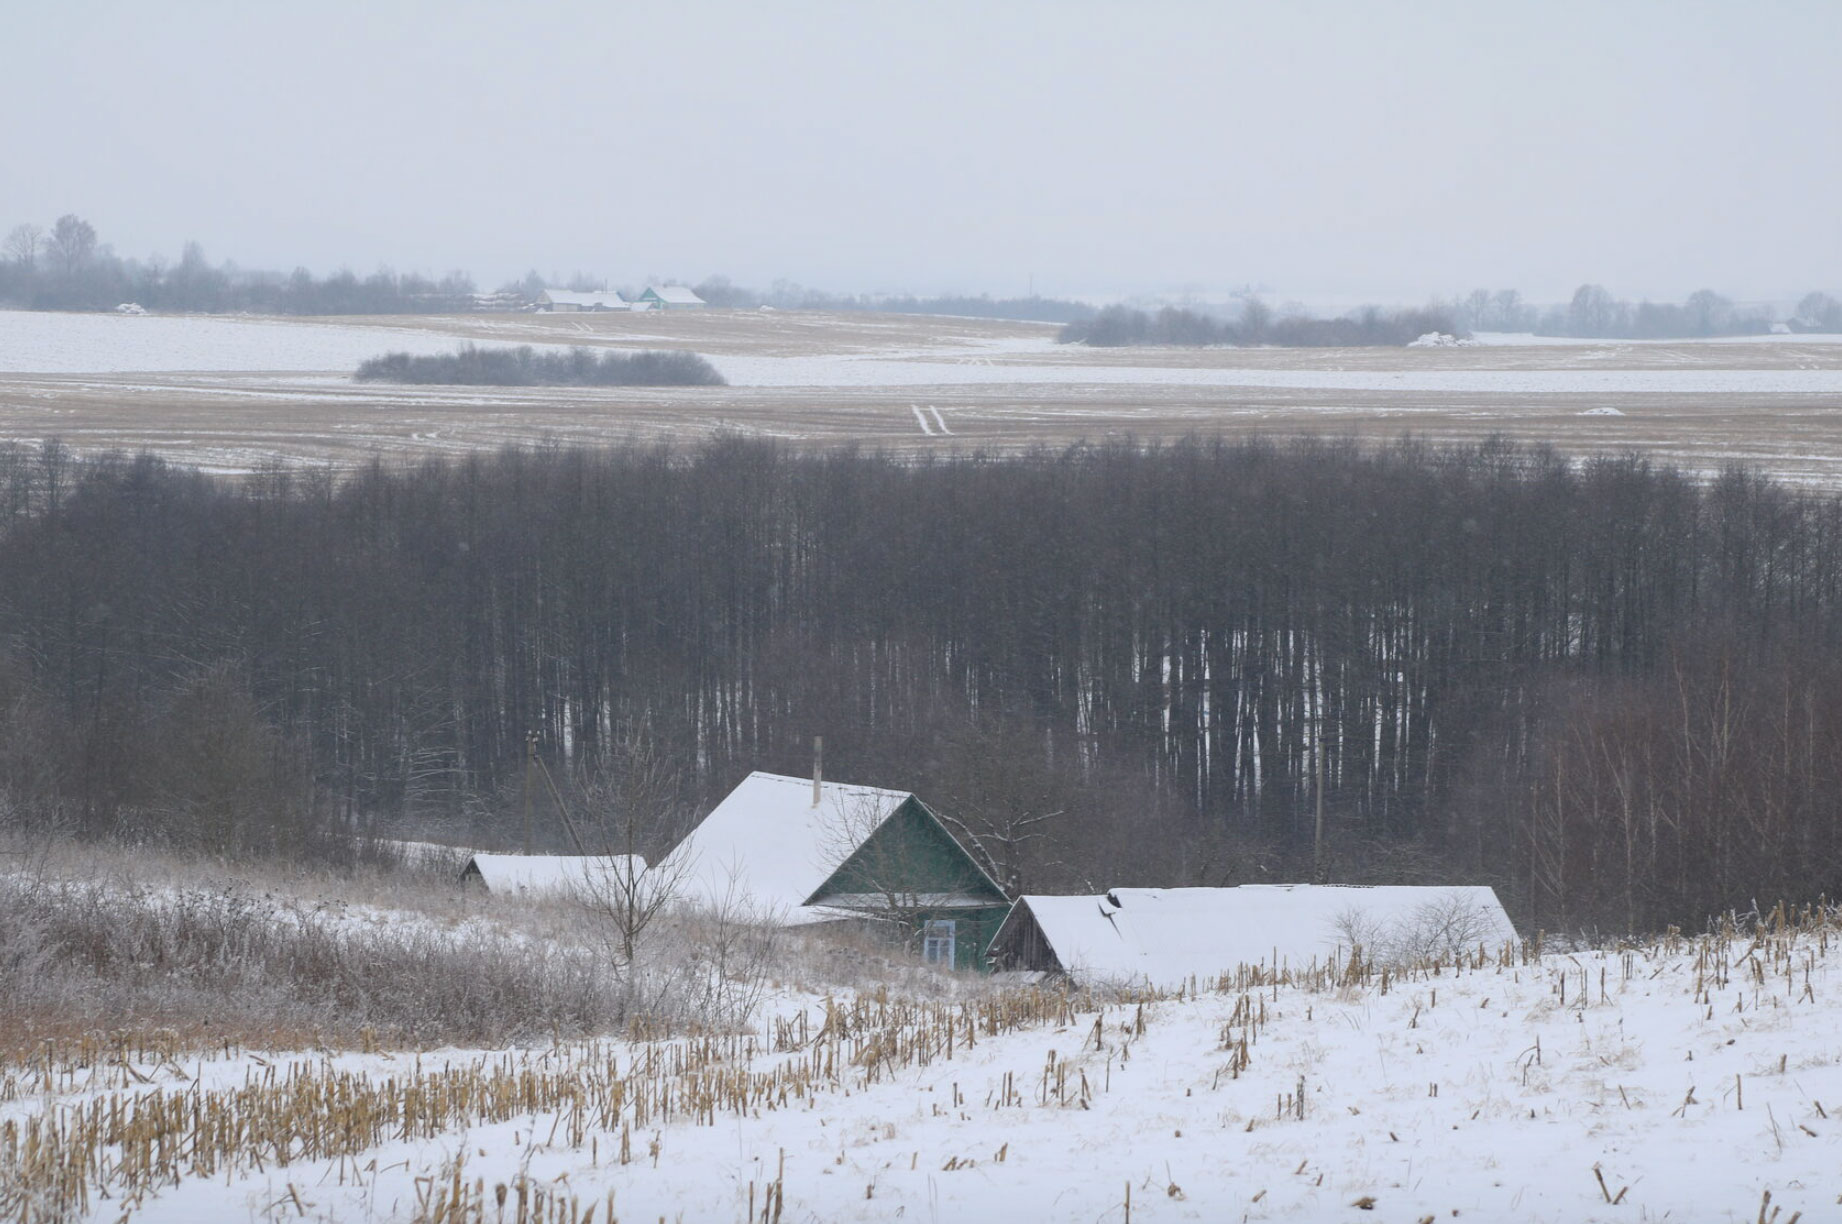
{"type": "Point", "coordinates": [46, 342]}
{"type": "Point", "coordinates": [233, 394]}
{"type": "Point", "coordinates": [1677, 1081]}
{"type": "Point", "coordinates": [52, 343]}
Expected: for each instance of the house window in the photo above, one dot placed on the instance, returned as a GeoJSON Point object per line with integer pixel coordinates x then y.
{"type": "Point", "coordinates": [937, 941]}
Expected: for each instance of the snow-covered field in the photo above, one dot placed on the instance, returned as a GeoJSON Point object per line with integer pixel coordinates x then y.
{"type": "Point", "coordinates": [44, 342]}
{"type": "Point", "coordinates": [235, 394]}
{"type": "Point", "coordinates": [1682, 1080]}
{"type": "Point", "coordinates": [55, 343]}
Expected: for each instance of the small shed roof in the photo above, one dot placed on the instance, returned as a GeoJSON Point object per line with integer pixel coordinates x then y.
{"type": "Point", "coordinates": [769, 843]}
{"type": "Point", "coordinates": [1164, 936]}
{"type": "Point", "coordinates": [421, 853]}
{"type": "Point", "coordinates": [600, 300]}
{"type": "Point", "coordinates": [559, 874]}
{"type": "Point", "coordinates": [675, 295]}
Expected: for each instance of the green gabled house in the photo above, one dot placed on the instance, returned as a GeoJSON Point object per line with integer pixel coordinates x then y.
{"type": "Point", "coordinates": [802, 851]}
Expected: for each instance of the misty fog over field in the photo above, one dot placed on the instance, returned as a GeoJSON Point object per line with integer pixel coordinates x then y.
{"type": "Point", "coordinates": [818, 611]}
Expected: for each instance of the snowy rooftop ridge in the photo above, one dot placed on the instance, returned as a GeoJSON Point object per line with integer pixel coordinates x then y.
{"type": "Point", "coordinates": [681, 295]}
{"type": "Point", "coordinates": [768, 843]}
{"type": "Point", "coordinates": [1165, 936]}
{"type": "Point", "coordinates": [555, 874]}
{"type": "Point", "coordinates": [607, 299]}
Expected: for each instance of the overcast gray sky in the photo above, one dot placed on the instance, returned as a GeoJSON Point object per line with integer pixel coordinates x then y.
{"type": "Point", "coordinates": [1326, 150]}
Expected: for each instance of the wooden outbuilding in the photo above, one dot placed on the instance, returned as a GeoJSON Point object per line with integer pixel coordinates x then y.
{"type": "Point", "coordinates": [568, 301]}
{"type": "Point", "coordinates": [1165, 937]}
{"type": "Point", "coordinates": [588, 877]}
{"type": "Point", "coordinates": [800, 851]}
{"type": "Point", "coordinates": [671, 297]}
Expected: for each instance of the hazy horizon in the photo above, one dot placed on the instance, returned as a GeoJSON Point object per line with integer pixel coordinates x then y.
{"type": "Point", "coordinates": [1328, 152]}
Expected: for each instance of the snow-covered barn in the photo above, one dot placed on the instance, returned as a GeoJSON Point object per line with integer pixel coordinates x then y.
{"type": "Point", "coordinates": [1165, 936]}
{"type": "Point", "coordinates": [801, 851]}
{"type": "Point", "coordinates": [588, 876]}
{"type": "Point", "coordinates": [564, 300]}
{"type": "Point", "coordinates": [671, 297]}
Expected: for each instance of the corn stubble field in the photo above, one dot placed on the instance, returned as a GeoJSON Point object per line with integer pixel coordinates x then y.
{"type": "Point", "coordinates": [1686, 1077]}
{"type": "Point", "coordinates": [235, 394]}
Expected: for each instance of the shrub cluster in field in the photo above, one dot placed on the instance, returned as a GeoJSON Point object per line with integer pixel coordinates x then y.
{"type": "Point", "coordinates": [241, 960]}
{"type": "Point", "coordinates": [524, 366]}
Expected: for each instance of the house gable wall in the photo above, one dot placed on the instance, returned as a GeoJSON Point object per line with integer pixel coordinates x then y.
{"type": "Point", "coordinates": [910, 854]}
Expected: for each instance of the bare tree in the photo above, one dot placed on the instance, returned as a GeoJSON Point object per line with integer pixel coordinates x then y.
{"type": "Point", "coordinates": [634, 807]}
{"type": "Point", "coordinates": [23, 243]}
{"type": "Point", "coordinates": [1708, 312]}
{"type": "Point", "coordinates": [1509, 313]}
{"type": "Point", "coordinates": [1819, 312]}
{"type": "Point", "coordinates": [1256, 317]}
{"type": "Point", "coordinates": [1593, 312]}
{"type": "Point", "coordinates": [1003, 797]}
{"type": "Point", "coordinates": [72, 242]}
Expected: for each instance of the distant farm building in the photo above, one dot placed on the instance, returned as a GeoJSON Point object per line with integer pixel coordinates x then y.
{"type": "Point", "coordinates": [671, 297]}
{"type": "Point", "coordinates": [583, 876]}
{"type": "Point", "coordinates": [1166, 936]}
{"type": "Point", "coordinates": [564, 301]}
{"type": "Point", "coordinates": [801, 852]}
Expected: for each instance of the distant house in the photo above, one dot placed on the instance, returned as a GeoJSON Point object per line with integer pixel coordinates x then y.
{"type": "Point", "coordinates": [564, 300]}
{"type": "Point", "coordinates": [587, 877]}
{"type": "Point", "coordinates": [808, 852]}
{"type": "Point", "coordinates": [1166, 936]}
{"type": "Point", "coordinates": [671, 297]}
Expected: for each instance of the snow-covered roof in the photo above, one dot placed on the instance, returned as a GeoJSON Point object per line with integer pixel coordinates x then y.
{"type": "Point", "coordinates": [421, 853]}
{"type": "Point", "coordinates": [767, 843]}
{"type": "Point", "coordinates": [675, 295]}
{"type": "Point", "coordinates": [603, 300]}
{"type": "Point", "coordinates": [554, 873]}
{"type": "Point", "coordinates": [1165, 936]}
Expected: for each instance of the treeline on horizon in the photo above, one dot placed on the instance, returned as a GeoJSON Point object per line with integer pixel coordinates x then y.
{"type": "Point", "coordinates": [786, 295]}
{"type": "Point", "coordinates": [67, 267]}
{"type": "Point", "coordinates": [1593, 313]}
{"type": "Point", "coordinates": [1609, 690]}
{"type": "Point", "coordinates": [524, 366]}
{"type": "Point", "coordinates": [1118, 326]}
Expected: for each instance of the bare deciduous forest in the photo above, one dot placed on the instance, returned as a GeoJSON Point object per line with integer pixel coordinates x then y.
{"type": "Point", "coordinates": [1605, 688]}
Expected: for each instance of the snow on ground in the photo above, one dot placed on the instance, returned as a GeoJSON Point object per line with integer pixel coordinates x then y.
{"type": "Point", "coordinates": [1526, 339]}
{"type": "Point", "coordinates": [836, 371]}
{"type": "Point", "coordinates": [52, 343]}
{"type": "Point", "coordinates": [45, 342]}
{"type": "Point", "coordinates": [1676, 1082]}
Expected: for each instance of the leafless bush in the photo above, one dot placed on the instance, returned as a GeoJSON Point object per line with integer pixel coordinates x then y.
{"type": "Point", "coordinates": [709, 965]}
{"type": "Point", "coordinates": [249, 964]}
{"type": "Point", "coordinates": [1437, 929]}
{"type": "Point", "coordinates": [282, 956]}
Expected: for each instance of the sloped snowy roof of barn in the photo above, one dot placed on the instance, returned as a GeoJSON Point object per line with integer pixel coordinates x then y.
{"type": "Point", "coordinates": [559, 874]}
{"type": "Point", "coordinates": [675, 295]}
{"type": "Point", "coordinates": [1164, 936]}
{"type": "Point", "coordinates": [604, 299]}
{"type": "Point", "coordinates": [768, 843]}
